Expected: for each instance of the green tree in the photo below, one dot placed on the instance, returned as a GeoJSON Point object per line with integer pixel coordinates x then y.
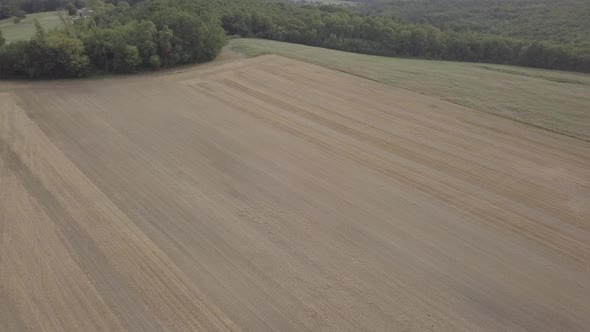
{"type": "Point", "coordinates": [164, 42]}
{"type": "Point", "coordinates": [155, 62]}
{"type": "Point", "coordinates": [68, 55]}
{"type": "Point", "coordinates": [37, 58]}
{"type": "Point", "coordinates": [143, 36]}
{"type": "Point", "coordinates": [102, 45]}
{"type": "Point", "coordinates": [39, 30]}
{"type": "Point", "coordinates": [260, 24]}
{"type": "Point", "coordinates": [12, 59]}
{"type": "Point", "coordinates": [123, 6]}
{"type": "Point", "coordinates": [6, 10]}
{"type": "Point", "coordinates": [127, 59]}
{"type": "Point", "coordinates": [197, 38]}
{"type": "Point", "coordinates": [71, 9]}
{"type": "Point", "coordinates": [235, 25]}
{"type": "Point", "coordinates": [417, 42]}
{"type": "Point", "coordinates": [19, 13]}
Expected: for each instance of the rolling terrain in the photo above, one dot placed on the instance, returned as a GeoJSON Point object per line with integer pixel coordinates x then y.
{"type": "Point", "coordinates": [275, 194]}
{"type": "Point", "coordinates": [549, 99]}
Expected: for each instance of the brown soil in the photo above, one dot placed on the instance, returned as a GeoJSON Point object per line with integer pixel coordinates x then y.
{"type": "Point", "coordinates": [271, 194]}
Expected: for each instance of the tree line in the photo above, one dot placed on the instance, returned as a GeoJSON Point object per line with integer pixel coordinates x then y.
{"type": "Point", "coordinates": [565, 22]}
{"type": "Point", "coordinates": [125, 37]}
{"type": "Point", "coordinates": [117, 39]}
{"type": "Point", "coordinates": [344, 28]}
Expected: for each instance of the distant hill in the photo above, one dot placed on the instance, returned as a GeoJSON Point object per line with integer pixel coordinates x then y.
{"type": "Point", "coordinates": [563, 21]}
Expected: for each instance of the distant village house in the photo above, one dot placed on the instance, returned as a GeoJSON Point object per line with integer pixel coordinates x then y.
{"type": "Point", "coordinates": [84, 12]}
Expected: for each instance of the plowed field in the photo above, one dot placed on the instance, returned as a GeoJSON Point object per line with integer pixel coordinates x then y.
{"type": "Point", "coordinates": [272, 194]}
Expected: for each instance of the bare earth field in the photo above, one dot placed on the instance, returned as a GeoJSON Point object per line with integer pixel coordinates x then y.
{"type": "Point", "coordinates": [273, 194]}
{"type": "Point", "coordinates": [554, 100]}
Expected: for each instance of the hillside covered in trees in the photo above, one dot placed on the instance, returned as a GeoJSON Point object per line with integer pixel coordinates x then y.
{"type": "Point", "coordinates": [352, 28]}
{"type": "Point", "coordinates": [564, 21]}
{"type": "Point", "coordinates": [128, 36]}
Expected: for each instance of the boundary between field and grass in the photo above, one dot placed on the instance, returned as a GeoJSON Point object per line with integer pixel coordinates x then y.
{"type": "Point", "coordinates": [551, 100]}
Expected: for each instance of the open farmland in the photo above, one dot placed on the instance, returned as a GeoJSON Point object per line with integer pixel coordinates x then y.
{"type": "Point", "coordinates": [274, 194]}
{"type": "Point", "coordinates": [550, 99]}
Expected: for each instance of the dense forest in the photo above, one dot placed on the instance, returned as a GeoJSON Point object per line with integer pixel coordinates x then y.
{"type": "Point", "coordinates": [564, 21]}
{"type": "Point", "coordinates": [128, 36]}
{"type": "Point", "coordinates": [117, 38]}
{"type": "Point", "coordinates": [350, 28]}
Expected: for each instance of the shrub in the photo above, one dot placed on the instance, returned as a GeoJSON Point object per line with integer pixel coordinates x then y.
{"type": "Point", "coordinates": [71, 9]}
{"type": "Point", "coordinates": [155, 62]}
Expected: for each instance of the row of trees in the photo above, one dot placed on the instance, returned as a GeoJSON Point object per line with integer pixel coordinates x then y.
{"type": "Point", "coordinates": [342, 28]}
{"type": "Point", "coordinates": [117, 39]}
{"type": "Point", "coordinates": [125, 37]}
{"type": "Point", "coordinates": [52, 55]}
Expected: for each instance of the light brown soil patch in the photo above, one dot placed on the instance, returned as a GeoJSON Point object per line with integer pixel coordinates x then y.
{"type": "Point", "coordinates": [271, 194]}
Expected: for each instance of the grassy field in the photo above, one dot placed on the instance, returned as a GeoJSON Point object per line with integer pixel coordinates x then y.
{"type": "Point", "coordinates": [25, 29]}
{"type": "Point", "coordinates": [553, 100]}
